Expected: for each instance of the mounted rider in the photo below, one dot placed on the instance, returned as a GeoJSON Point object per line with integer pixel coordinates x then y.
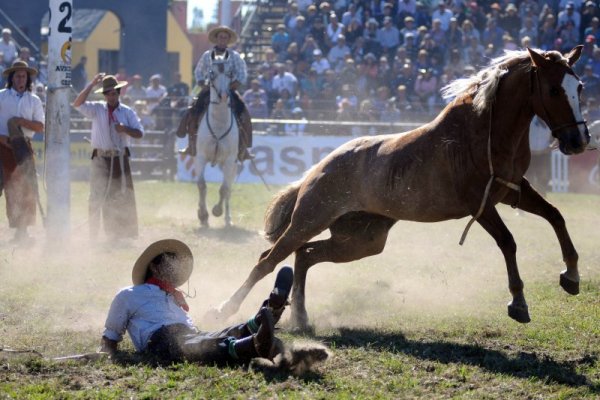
{"type": "Point", "coordinates": [221, 37]}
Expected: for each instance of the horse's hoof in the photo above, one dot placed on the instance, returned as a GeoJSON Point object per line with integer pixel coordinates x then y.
{"type": "Point", "coordinates": [568, 285]}
{"type": "Point", "coordinates": [217, 210]}
{"type": "Point", "coordinates": [518, 313]}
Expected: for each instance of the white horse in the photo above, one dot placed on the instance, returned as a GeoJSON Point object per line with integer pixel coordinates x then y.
{"type": "Point", "coordinates": [217, 141]}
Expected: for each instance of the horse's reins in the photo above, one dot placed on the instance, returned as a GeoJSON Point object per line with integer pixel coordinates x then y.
{"type": "Point", "coordinates": [506, 183]}
{"type": "Point", "coordinates": [547, 114]}
{"type": "Point", "coordinates": [488, 186]}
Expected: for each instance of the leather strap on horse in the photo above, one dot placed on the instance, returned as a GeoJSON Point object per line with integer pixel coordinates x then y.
{"type": "Point", "coordinates": [488, 186]}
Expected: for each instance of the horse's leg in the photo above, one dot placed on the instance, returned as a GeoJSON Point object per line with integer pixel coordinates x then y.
{"type": "Point", "coordinates": [229, 170]}
{"type": "Point", "coordinates": [201, 183]}
{"type": "Point", "coordinates": [490, 220]}
{"type": "Point", "coordinates": [305, 224]}
{"type": "Point", "coordinates": [532, 202]}
{"type": "Point", "coordinates": [353, 236]}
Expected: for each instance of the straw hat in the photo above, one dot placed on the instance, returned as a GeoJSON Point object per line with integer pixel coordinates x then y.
{"type": "Point", "coordinates": [212, 35]}
{"type": "Point", "coordinates": [182, 252]}
{"type": "Point", "coordinates": [20, 65]}
{"type": "Point", "coordinates": [110, 82]}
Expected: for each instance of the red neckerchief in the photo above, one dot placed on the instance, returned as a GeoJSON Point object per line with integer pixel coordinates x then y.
{"type": "Point", "coordinates": [111, 117]}
{"type": "Point", "coordinates": [167, 287]}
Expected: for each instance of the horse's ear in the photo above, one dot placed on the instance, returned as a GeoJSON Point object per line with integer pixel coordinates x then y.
{"type": "Point", "coordinates": [536, 58]}
{"type": "Point", "coordinates": [574, 55]}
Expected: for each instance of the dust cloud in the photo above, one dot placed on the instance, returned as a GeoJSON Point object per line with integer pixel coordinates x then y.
{"type": "Point", "coordinates": [423, 272]}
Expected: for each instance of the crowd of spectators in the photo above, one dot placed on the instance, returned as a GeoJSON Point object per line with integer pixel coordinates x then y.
{"type": "Point", "coordinates": [376, 60]}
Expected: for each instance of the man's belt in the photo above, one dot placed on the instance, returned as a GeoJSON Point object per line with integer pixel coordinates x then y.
{"type": "Point", "coordinates": [109, 153]}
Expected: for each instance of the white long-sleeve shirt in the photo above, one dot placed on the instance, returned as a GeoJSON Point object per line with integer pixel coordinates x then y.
{"type": "Point", "coordinates": [27, 106]}
{"type": "Point", "coordinates": [141, 310]}
{"type": "Point", "coordinates": [104, 134]}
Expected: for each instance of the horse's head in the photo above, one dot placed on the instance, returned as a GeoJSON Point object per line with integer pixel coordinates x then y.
{"type": "Point", "coordinates": [556, 91]}
{"type": "Point", "coordinates": [220, 77]}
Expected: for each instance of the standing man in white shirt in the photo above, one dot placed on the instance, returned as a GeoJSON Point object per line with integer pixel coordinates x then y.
{"type": "Point", "coordinates": [21, 115]}
{"type": "Point", "coordinates": [111, 186]}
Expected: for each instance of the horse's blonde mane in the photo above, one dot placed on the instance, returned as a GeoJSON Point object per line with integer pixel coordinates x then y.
{"type": "Point", "coordinates": [483, 85]}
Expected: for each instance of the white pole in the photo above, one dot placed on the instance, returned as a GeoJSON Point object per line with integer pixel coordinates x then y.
{"type": "Point", "coordinates": [58, 116]}
{"type": "Point", "coordinates": [226, 12]}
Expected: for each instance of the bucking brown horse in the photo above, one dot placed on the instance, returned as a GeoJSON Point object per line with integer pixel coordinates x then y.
{"type": "Point", "coordinates": [470, 158]}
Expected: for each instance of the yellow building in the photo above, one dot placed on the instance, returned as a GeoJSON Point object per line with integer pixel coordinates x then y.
{"type": "Point", "coordinates": [97, 34]}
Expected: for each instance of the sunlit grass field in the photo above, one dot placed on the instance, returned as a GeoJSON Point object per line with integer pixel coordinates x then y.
{"type": "Point", "coordinates": [425, 319]}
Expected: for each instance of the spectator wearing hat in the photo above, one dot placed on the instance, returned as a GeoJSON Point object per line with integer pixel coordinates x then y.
{"type": "Point", "coordinates": [8, 47]}
{"type": "Point", "coordinates": [569, 14]}
{"type": "Point", "coordinates": [284, 80]}
{"type": "Point", "coordinates": [290, 17]}
{"type": "Point", "coordinates": [593, 29]}
{"type": "Point", "coordinates": [528, 30]}
{"type": "Point", "coordinates": [371, 43]}
{"type": "Point", "coordinates": [469, 31]}
{"type": "Point", "coordinates": [310, 15]}
{"type": "Point", "coordinates": [280, 39]}
{"type": "Point", "coordinates": [388, 11]}
{"type": "Point", "coordinates": [257, 101]}
{"type": "Point", "coordinates": [511, 21]}
{"type": "Point", "coordinates": [298, 33]}
{"type": "Point", "coordinates": [389, 37]}
{"type": "Point", "coordinates": [569, 36]}
{"type": "Point", "coordinates": [317, 31]}
{"type": "Point", "coordinates": [155, 92]}
{"type": "Point", "coordinates": [351, 14]}
{"type": "Point", "coordinates": [422, 16]}
{"type": "Point", "coordinates": [338, 53]}
{"type": "Point", "coordinates": [492, 34]}
{"type": "Point", "coordinates": [591, 82]}
{"type": "Point", "coordinates": [136, 91]}
{"type": "Point", "coordinates": [311, 83]}
{"type": "Point", "coordinates": [155, 314]}
{"type": "Point", "coordinates": [21, 115]}
{"type": "Point", "coordinates": [112, 197]}
{"type": "Point", "coordinates": [443, 14]}
{"type": "Point", "coordinates": [222, 37]}
{"type": "Point", "coordinates": [548, 33]}
{"type": "Point", "coordinates": [426, 89]}
{"type": "Point", "coordinates": [454, 35]}
{"type": "Point", "coordinates": [333, 31]}
{"type": "Point", "coordinates": [320, 64]}
{"type": "Point", "coordinates": [406, 8]}
{"type": "Point", "coordinates": [590, 11]}
{"type": "Point", "coordinates": [408, 28]}
{"type": "Point", "coordinates": [324, 12]}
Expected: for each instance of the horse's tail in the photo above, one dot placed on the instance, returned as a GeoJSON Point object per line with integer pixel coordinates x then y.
{"type": "Point", "coordinates": [279, 212]}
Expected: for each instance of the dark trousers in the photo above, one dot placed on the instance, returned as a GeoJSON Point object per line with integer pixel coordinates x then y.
{"type": "Point", "coordinates": [178, 342]}
{"type": "Point", "coordinates": [20, 183]}
{"type": "Point", "coordinates": [112, 198]}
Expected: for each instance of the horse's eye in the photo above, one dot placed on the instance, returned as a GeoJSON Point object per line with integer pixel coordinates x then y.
{"type": "Point", "coordinates": [554, 91]}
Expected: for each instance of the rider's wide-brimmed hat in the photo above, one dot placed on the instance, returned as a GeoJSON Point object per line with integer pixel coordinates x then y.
{"type": "Point", "coordinates": [110, 82]}
{"type": "Point", "coordinates": [184, 263]}
{"type": "Point", "coordinates": [212, 35]}
{"type": "Point", "coordinates": [20, 65]}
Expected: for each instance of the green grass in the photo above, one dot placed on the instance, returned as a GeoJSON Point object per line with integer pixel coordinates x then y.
{"type": "Point", "coordinates": [424, 319]}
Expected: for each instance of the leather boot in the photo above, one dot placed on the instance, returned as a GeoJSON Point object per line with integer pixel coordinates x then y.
{"type": "Point", "coordinates": [182, 129]}
{"type": "Point", "coordinates": [278, 298]}
{"type": "Point", "coordinates": [259, 344]}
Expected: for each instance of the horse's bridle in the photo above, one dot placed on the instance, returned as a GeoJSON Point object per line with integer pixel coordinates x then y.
{"type": "Point", "coordinates": [221, 67]}
{"type": "Point", "coordinates": [553, 129]}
